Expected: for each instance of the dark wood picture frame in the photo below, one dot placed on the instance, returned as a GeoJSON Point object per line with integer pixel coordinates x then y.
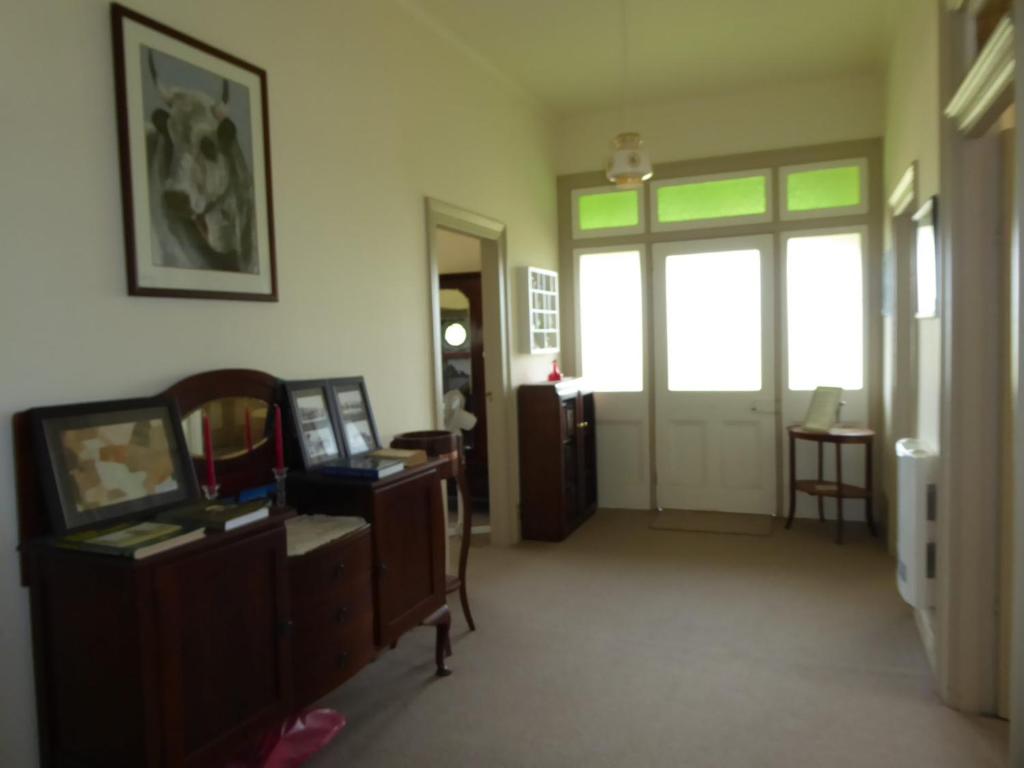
{"type": "Point", "coordinates": [366, 426]}
{"type": "Point", "coordinates": [238, 261]}
{"type": "Point", "coordinates": [58, 488]}
{"type": "Point", "coordinates": [302, 435]}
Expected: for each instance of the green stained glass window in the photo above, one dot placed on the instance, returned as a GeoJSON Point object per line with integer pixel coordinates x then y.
{"type": "Point", "coordinates": [719, 199]}
{"type": "Point", "coordinates": [609, 210]}
{"type": "Point", "coordinates": [822, 188]}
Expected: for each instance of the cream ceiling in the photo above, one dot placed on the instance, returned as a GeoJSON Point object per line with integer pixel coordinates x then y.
{"type": "Point", "coordinates": [568, 52]}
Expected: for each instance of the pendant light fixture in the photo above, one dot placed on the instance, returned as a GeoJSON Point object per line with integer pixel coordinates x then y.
{"type": "Point", "coordinates": [629, 165]}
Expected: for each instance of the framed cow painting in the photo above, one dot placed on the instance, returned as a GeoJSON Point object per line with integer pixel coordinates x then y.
{"type": "Point", "coordinates": [195, 165]}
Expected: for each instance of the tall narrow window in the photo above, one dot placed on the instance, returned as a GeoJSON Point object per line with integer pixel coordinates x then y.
{"type": "Point", "coordinates": [825, 311]}
{"type": "Point", "coordinates": [713, 321]}
{"type": "Point", "coordinates": [611, 321]}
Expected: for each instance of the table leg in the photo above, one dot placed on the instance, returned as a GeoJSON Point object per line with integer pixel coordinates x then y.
{"type": "Point", "coordinates": [821, 479]}
{"type": "Point", "coordinates": [869, 484]}
{"type": "Point", "coordinates": [839, 493]}
{"type": "Point", "coordinates": [792, 480]}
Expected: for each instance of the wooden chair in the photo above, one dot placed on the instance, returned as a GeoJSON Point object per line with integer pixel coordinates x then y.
{"type": "Point", "coordinates": [445, 444]}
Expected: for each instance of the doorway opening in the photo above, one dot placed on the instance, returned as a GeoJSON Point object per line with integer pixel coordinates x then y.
{"type": "Point", "coordinates": [463, 376]}
{"type": "Point", "coordinates": [470, 366]}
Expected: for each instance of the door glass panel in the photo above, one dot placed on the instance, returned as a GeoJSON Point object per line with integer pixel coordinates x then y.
{"type": "Point", "coordinates": [825, 312]}
{"type": "Point", "coordinates": [719, 199]}
{"type": "Point", "coordinates": [609, 210]}
{"type": "Point", "coordinates": [611, 321]}
{"type": "Point", "coordinates": [713, 321]}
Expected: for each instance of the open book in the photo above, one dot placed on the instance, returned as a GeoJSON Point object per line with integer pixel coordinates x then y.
{"type": "Point", "coordinates": [821, 415]}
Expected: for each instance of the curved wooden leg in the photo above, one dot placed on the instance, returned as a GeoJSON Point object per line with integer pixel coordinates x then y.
{"type": "Point", "coordinates": [442, 621]}
{"type": "Point", "coordinates": [464, 598]}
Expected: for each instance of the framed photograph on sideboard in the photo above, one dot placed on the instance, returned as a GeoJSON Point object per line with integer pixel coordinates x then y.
{"type": "Point", "coordinates": [355, 416]}
{"type": "Point", "coordinates": [103, 462]}
{"type": "Point", "coordinates": [313, 422]}
{"type": "Point", "coordinates": [194, 140]}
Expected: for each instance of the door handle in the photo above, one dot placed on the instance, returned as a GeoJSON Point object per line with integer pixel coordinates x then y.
{"type": "Point", "coordinates": [763, 408]}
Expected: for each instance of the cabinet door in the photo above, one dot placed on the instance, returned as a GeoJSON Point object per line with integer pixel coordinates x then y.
{"type": "Point", "coordinates": [571, 462]}
{"type": "Point", "coordinates": [221, 624]}
{"type": "Point", "coordinates": [408, 537]}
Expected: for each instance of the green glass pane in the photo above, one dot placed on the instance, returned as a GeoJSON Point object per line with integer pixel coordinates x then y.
{"type": "Point", "coordinates": [604, 210]}
{"type": "Point", "coordinates": [823, 188]}
{"type": "Point", "coordinates": [713, 199]}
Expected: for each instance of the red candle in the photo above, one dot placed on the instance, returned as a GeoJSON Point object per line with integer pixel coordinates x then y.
{"type": "Point", "coordinates": [278, 438]}
{"type": "Point", "coordinates": [211, 473]}
{"type": "Point", "coordinates": [248, 431]}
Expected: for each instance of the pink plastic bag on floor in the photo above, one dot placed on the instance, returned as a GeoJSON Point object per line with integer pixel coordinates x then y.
{"type": "Point", "coordinates": [299, 738]}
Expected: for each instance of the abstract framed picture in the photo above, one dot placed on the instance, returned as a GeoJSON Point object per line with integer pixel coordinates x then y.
{"type": "Point", "coordinates": [194, 140]}
{"type": "Point", "coordinates": [313, 423]}
{"type": "Point", "coordinates": [355, 417]}
{"type": "Point", "coordinates": [108, 461]}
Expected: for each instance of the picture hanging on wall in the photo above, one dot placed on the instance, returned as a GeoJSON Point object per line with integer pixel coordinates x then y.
{"type": "Point", "coordinates": [195, 165]}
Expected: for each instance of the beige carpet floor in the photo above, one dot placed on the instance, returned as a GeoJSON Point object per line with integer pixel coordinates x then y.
{"type": "Point", "coordinates": [626, 646]}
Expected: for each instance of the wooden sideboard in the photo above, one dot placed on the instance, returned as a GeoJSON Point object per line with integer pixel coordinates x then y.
{"type": "Point", "coordinates": [188, 657]}
{"type": "Point", "coordinates": [557, 459]}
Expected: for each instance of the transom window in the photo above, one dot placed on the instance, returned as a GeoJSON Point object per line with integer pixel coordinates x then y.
{"type": "Point", "coordinates": [706, 201]}
{"type": "Point", "coordinates": [605, 211]}
{"type": "Point", "coordinates": [837, 188]}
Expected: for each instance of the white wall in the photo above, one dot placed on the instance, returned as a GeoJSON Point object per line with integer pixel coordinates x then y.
{"type": "Point", "coordinates": [912, 120]}
{"type": "Point", "coordinates": [370, 110]}
{"type": "Point", "coordinates": [778, 117]}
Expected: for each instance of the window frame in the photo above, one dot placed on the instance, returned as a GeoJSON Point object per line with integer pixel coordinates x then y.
{"type": "Point", "coordinates": [642, 250]}
{"type": "Point", "coordinates": [785, 171]}
{"type": "Point", "coordinates": [594, 234]}
{"type": "Point", "coordinates": [725, 221]}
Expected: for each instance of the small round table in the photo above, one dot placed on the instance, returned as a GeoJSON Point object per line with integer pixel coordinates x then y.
{"type": "Point", "coordinates": [837, 489]}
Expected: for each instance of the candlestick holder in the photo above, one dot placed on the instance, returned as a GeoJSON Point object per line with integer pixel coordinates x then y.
{"type": "Point", "coordinates": [280, 475]}
{"type": "Point", "coordinates": [210, 492]}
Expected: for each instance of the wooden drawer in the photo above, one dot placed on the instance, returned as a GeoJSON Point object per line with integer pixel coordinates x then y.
{"type": "Point", "coordinates": [338, 610]}
{"type": "Point", "coordinates": [325, 658]}
{"type": "Point", "coordinates": [331, 574]}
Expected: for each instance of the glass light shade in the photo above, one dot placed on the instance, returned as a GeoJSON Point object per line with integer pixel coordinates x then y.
{"type": "Point", "coordinates": [629, 165]}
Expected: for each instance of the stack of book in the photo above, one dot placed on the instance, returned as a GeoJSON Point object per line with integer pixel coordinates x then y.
{"type": "Point", "coordinates": [363, 467]}
{"type": "Point", "coordinates": [220, 516]}
{"type": "Point", "coordinates": [137, 541]}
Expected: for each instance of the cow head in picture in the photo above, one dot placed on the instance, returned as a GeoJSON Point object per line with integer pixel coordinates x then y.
{"type": "Point", "coordinates": [200, 186]}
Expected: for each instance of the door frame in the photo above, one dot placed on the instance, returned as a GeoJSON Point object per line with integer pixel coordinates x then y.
{"type": "Point", "coordinates": [502, 462]}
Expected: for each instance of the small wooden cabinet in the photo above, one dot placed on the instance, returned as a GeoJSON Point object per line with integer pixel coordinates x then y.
{"type": "Point", "coordinates": [557, 459]}
{"type": "Point", "coordinates": [332, 611]}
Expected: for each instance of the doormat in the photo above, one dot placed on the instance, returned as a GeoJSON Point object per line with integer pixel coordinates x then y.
{"type": "Point", "coordinates": [712, 522]}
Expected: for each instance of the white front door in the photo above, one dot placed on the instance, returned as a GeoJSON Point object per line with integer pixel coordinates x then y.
{"type": "Point", "coordinates": [715, 400]}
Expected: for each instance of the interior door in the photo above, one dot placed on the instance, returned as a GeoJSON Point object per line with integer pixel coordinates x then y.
{"type": "Point", "coordinates": [715, 400]}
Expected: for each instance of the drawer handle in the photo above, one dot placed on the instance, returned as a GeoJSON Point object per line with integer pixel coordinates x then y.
{"type": "Point", "coordinates": [583, 425]}
{"type": "Point", "coordinates": [342, 614]}
{"type": "Point", "coordinates": [342, 658]}
{"type": "Point", "coordinates": [339, 569]}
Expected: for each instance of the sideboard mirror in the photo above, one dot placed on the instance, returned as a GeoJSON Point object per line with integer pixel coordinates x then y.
{"type": "Point", "coordinates": [238, 426]}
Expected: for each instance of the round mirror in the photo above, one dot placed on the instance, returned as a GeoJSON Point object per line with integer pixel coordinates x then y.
{"type": "Point", "coordinates": [455, 335]}
{"type": "Point", "coordinates": [238, 425]}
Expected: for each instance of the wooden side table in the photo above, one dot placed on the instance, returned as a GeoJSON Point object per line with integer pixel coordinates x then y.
{"type": "Point", "coordinates": [837, 489]}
